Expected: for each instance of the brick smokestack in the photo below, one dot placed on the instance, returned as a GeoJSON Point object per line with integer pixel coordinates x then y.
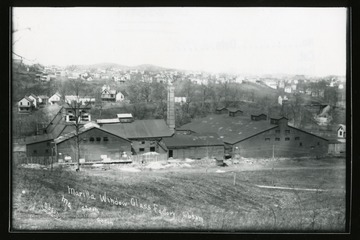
{"type": "Point", "coordinates": [170, 117]}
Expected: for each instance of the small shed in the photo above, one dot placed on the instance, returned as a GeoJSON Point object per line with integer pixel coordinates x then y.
{"type": "Point", "coordinates": [234, 112]}
{"type": "Point", "coordinates": [221, 110]}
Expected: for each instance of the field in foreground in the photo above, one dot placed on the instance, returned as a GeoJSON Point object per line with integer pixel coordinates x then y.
{"type": "Point", "coordinates": [193, 199]}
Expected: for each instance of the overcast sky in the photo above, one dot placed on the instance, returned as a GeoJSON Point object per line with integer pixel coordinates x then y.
{"type": "Point", "coordinates": [309, 41]}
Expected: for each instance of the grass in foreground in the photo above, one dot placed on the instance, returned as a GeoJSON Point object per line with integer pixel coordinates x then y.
{"type": "Point", "coordinates": [171, 200]}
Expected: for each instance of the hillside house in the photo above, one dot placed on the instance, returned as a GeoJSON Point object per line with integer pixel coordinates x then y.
{"type": "Point", "coordinates": [234, 112]}
{"type": "Point", "coordinates": [43, 100]}
{"type": "Point", "coordinates": [221, 110]}
{"type": "Point", "coordinates": [195, 146]}
{"type": "Point", "coordinates": [288, 89]}
{"type": "Point", "coordinates": [341, 132]}
{"type": "Point", "coordinates": [108, 95]}
{"type": "Point", "coordinates": [35, 99]}
{"type": "Point", "coordinates": [119, 97]}
{"type": "Point", "coordinates": [256, 137]}
{"type": "Point", "coordinates": [25, 105]}
{"type": "Point", "coordinates": [56, 98]}
{"type": "Point", "coordinates": [85, 100]}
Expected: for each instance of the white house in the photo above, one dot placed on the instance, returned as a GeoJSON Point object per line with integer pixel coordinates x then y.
{"type": "Point", "coordinates": [55, 98]}
{"type": "Point", "coordinates": [280, 100]}
{"type": "Point", "coordinates": [288, 89]}
{"type": "Point", "coordinates": [34, 98]}
{"type": "Point", "coordinates": [341, 131]}
{"type": "Point", "coordinates": [43, 99]}
{"type": "Point", "coordinates": [25, 105]}
{"type": "Point", "coordinates": [119, 97]}
{"type": "Point", "coordinates": [180, 99]}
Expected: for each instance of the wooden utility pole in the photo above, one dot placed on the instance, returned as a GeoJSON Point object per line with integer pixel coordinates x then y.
{"type": "Point", "coordinates": [234, 178]}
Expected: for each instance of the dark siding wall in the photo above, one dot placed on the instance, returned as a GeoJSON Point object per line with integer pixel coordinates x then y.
{"type": "Point", "coordinates": [145, 144]}
{"type": "Point", "coordinates": [222, 111]}
{"type": "Point", "coordinates": [92, 151]}
{"type": "Point", "coordinates": [39, 149]}
{"type": "Point", "coordinates": [262, 145]}
{"type": "Point", "coordinates": [199, 152]}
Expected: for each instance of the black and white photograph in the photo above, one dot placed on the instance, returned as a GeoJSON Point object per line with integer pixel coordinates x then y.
{"type": "Point", "coordinates": [186, 119]}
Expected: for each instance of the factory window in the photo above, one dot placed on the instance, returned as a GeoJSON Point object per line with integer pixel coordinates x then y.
{"type": "Point", "coordinates": [300, 144]}
{"type": "Point", "coordinates": [152, 149]}
{"type": "Point", "coordinates": [92, 139]}
{"type": "Point", "coordinates": [141, 149]}
{"type": "Point", "coordinates": [142, 142]}
{"type": "Point", "coordinates": [277, 139]}
{"type": "Point", "coordinates": [105, 139]}
{"type": "Point", "coordinates": [98, 139]}
{"type": "Point", "coordinates": [20, 103]}
{"type": "Point", "coordinates": [267, 139]}
{"type": "Point", "coordinates": [297, 138]}
{"type": "Point", "coordinates": [287, 139]}
{"type": "Point", "coordinates": [277, 131]}
{"type": "Point", "coordinates": [287, 131]}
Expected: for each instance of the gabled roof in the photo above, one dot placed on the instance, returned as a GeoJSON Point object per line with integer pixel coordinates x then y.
{"type": "Point", "coordinates": [193, 140]}
{"type": "Point", "coordinates": [124, 115]}
{"type": "Point", "coordinates": [342, 126]}
{"type": "Point", "coordinates": [112, 91]}
{"type": "Point", "coordinates": [230, 129]}
{"type": "Point", "coordinates": [56, 94]}
{"type": "Point", "coordinates": [59, 129]}
{"type": "Point", "coordinates": [33, 95]}
{"type": "Point", "coordinates": [111, 120]}
{"type": "Point", "coordinates": [84, 129]}
{"type": "Point", "coordinates": [233, 109]}
{"type": "Point", "coordinates": [27, 98]}
{"type": "Point", "coordinates": [150, 128]}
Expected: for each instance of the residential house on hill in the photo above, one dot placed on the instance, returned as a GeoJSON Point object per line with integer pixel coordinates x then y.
{"type": "Point", "coordinates": [35, 99]}
{"type": "Point", "coordinates": [43, 100]}
{"type": "Point", "coordinates": [55, 98]}
{"type": "Point", "coordinates": [120, 96]}
{"type": "Point", "coordinates": [341, 132]}
{"type": "Point", "coordinates": [108, 94]}
{"type": "Point", "coordinates": [25, 105]}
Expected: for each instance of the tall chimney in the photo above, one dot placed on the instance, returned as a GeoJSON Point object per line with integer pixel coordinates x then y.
{"type": "Point", "coordinates": [170, 118]}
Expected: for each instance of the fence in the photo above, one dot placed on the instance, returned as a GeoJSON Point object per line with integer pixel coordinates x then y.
{"type": "Point", "coordinates": [149, 158]}
{"type": "Point", "coordinates": [37, 160]}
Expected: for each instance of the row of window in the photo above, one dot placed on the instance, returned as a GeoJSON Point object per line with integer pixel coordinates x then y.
{"type": "Point", "coordinates": [97, 139]}
{"type": "Point", "coordinates": [35, 151]}
{"type": "Point", "coordinates": [286, 139]}
{"type": "Point", "coordinates": [152, 149]}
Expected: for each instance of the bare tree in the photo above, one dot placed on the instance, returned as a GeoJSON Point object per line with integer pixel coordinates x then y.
{"type": "Point", "coordinates": [77, 108]}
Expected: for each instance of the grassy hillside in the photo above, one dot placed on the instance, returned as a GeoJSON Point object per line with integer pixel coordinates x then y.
{"type": "Point", "coordinates": [196, 198]}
